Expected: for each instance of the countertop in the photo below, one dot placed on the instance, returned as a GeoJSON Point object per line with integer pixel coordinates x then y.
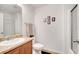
{"type": "Point", "coordinates": [5, 49]}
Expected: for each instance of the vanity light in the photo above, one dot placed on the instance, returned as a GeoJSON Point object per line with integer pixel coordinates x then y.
{"type": "Point", "coordinates": [49, 19]}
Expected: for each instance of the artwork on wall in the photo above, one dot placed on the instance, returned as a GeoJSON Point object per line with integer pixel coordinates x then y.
{"type": "Point", "coordinates": [49, 19]}
{"type": "Point", "coordinates": [53, 19]}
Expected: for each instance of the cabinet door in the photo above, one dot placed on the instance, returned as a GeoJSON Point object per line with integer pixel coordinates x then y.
{"type": "Point", "coordinates": [15, 51]}
{"type": "Point", "coordinates": [26, 48]}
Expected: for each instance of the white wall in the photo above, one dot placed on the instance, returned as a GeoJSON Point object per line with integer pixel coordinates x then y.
{"type": "Point", "coordinates": [52, 36]}
{"type": "Point", "coordinates": [27, 16]}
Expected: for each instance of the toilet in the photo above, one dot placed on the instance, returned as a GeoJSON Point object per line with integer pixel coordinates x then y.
{"type": "Point", "coordinates": [37, 47]}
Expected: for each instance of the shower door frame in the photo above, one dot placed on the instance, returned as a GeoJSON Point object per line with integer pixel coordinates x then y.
{"type": "Point", "coordinates": [72, 29]}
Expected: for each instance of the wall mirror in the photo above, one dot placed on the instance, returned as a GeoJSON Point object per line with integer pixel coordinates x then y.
{"type": "Point", "coordinates": [10, 19]}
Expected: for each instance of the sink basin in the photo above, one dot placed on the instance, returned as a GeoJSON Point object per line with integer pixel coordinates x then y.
{"type": "Point", "coordinates": [11, 42]}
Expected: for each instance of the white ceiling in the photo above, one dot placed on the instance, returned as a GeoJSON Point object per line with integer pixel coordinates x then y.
{"type": "Point", "coordinates": [40, 5]}
{"type": "Point", "coordinates": [36, 5]}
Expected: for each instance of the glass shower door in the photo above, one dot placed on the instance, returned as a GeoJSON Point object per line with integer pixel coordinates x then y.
{"type": "Point", "coordinates": [74, 31]}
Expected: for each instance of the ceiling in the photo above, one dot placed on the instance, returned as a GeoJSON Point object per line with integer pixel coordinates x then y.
{"type": "Point", "coordinates": [37, 5]}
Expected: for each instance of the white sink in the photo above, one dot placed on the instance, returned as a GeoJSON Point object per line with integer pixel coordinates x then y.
{"type": "Point", "coordinates": [11, 42]}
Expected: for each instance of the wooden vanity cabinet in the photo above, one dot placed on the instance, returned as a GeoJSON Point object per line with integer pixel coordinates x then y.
{"type": "Point", "coordinates": [23, 49]}
{"type": "Point", "coordinates": [26, 48]}
{"type": "Point", "coordinates": [14, 51]}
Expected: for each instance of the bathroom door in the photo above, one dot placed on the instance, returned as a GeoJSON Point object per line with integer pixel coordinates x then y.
{"type": "Point", "coordinates": [74, 30]}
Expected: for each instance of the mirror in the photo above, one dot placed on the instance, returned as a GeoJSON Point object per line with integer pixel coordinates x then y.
{"type": "Point", "coordinates": [10, 19]}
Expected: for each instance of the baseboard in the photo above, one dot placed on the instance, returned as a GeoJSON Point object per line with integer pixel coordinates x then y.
{"type": "Point", "coordinates": [50, 51]}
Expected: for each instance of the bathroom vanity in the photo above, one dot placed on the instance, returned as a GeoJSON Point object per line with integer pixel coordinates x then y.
{"type": "Point", "coordinates": [25, 47]}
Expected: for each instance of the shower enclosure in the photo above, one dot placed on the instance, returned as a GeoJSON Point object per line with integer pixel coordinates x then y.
{"type": "Point", "coordinates": [75, 30]}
